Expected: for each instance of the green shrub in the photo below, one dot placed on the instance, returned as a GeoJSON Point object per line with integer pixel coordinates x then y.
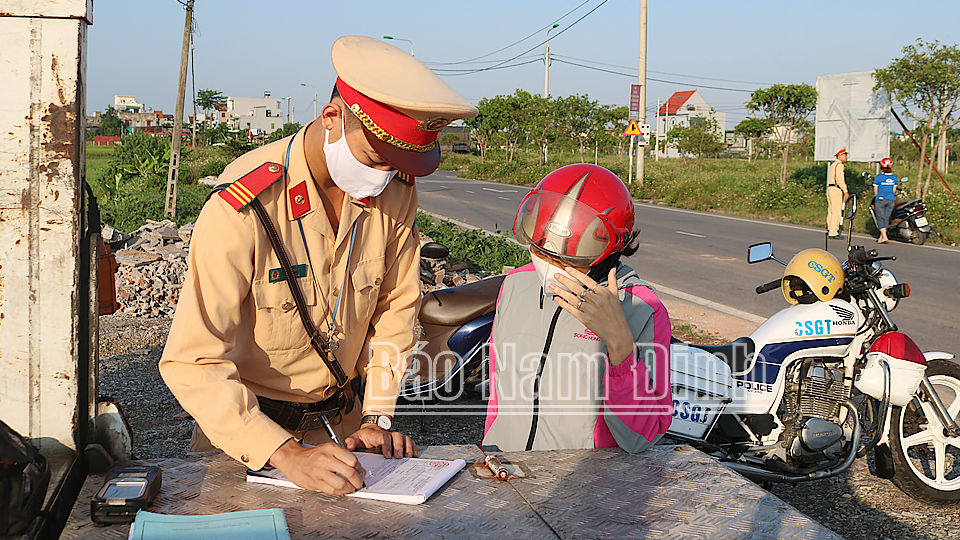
{"type": "Point", "coordinates": [773, 197]}
{"type": "Point", "coordinates": [482, 251]}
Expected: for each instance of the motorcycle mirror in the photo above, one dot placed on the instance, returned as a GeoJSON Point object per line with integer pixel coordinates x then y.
{"type": "Point", "coordinates": [852, 211]}
{"type": "Point", "coordinates": [759, 252]}
{"type": "Point", "coordinates": [434, 250]}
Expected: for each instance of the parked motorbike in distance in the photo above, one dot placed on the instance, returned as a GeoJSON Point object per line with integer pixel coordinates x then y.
{"type": "Point", "coordinates": [453, 332]}
{"type": "Point", "coordinates": [907, 220]}
{"type": "Point", "coordinates": [823, 382]}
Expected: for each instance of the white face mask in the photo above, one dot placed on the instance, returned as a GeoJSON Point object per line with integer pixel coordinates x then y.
{"type": "Point", "coordinates": [354, 178]}
{"type": "Point", "coordinates": [546, 271]}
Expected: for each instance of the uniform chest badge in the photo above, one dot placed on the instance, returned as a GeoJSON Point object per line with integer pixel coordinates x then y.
{"type": "Point", "coordinates": [299, 200]}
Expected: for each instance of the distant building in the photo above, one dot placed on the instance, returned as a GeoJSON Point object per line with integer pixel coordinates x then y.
{"type": "Point", "coordinates": [254, 116]}
{"type": "Point", "coordinates": [128, 104]}
{"type": "Point", "coordinates": [218, 116]}
{"type": "Point", "coordinates": [682, 109]}
{"type": "Point", "coordinates": [136, 117]}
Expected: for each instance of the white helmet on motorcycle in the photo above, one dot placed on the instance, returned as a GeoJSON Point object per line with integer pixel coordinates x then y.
{"type": "Point", "coordinates": [811, 275]}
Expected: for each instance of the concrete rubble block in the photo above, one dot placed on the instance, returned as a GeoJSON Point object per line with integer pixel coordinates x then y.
{"type": "Point", "coordinates": [107, 233]}
{"type": "Point", "coordinates": [127, 257]}
{"type": "Point", "coordinates": [209, 180]}
{"type": "Point", "coordinates": [168, 234]}
{"type": "Point", "coordinates": [186, 233]}
{"type": "Point", "coordinates": [171, 253]}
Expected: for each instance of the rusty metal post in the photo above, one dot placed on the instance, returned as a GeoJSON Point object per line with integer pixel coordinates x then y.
{"type": "Point", "coordinates": [43, 47]}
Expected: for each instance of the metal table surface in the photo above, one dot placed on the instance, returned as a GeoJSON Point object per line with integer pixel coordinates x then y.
{"type": "Point", "coordinates": [665, 492]}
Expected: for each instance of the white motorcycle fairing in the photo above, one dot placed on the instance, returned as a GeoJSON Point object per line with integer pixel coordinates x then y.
{"type": "Point", "coordinates": [818, 330]}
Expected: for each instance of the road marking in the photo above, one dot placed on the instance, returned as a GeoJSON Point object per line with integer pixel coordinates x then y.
{"type": "Point", "coordinates": [691, 234]}
{"type": "Point", "coordinates": [471, 192]}
{"type": "Point", "coordinates": [660, 288]}
{"type": "Point", "coordinates": [500, 190]}
{"type": "Point", "coordinates": [708, 303]}
{"type": "Point", "coordinates": [505, 198]}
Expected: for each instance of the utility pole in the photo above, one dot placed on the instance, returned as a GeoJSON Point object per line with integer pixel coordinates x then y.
{"type": "Point", "coordinates": [656, 140]}
{"type": "Point", "coordinates": [642, 81]}
{"type": "Point", "coordinates": [170, 206]}
{"type": "Point", "coordinates": [193, 80]}
{"type": "Point", "coordinates": [546, 65]}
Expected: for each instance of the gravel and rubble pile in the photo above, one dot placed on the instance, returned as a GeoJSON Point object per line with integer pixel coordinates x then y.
{"type": "Point", "coordinates": [856, 505]}
{"type": "Point", "coordinates": [152, 262]}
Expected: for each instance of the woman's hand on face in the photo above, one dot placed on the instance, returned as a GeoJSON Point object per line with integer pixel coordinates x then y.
{"type": "Point", "coordinates": [598, 308]}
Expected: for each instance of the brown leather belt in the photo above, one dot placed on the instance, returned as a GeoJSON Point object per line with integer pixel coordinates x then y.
{"type": "Point", "coordinates": [301, 417]}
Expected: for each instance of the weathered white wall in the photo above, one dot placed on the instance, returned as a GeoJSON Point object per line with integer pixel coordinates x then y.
{"type": "Point", "coordinates": [42, 66]}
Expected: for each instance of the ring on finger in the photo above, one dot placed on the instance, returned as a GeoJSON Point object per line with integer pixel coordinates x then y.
{"type": "Point", "coordinates": [580, 303]}
{"type": "Point", "coordinates": [583, 294]}
{"type": "Point", "coordinates": [595, 287]}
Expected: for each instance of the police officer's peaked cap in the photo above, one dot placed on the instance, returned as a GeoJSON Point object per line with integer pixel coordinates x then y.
{"type": "Point", "coordinates": [399, 100]}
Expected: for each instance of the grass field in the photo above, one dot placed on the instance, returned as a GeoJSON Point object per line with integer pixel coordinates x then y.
{"type": "Point", "coordinates": [98, 158]}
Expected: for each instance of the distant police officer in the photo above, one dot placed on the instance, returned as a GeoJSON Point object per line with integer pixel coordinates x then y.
{"type": "Point", "coordinates": [238, 357]}
{"type": "Point", "coordinates": [836, 193]}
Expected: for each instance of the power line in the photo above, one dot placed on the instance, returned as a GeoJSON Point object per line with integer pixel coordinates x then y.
{"type": "Point", "coordinates": [661, 72]}
{"type": "Point", "coordinates": [652, 79]}
{"type": "Point", "coordinates": [530, 49]}
{"type": "Point", "coordinates": [469, 71]}
{"type": "Point", "coordinates": [510, 45]}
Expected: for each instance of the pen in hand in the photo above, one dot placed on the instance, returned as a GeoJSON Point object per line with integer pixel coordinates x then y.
{"type": "Point", "coordinates": [335, 439]}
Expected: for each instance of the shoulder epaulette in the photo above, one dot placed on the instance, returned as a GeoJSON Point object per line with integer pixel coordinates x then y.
{"type": "Point", "coordinates": [241, 192]}
{"type": "Point", "coordinates": [406, 178]}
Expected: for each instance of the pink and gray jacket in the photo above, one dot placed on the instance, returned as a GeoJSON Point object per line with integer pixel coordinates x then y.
{"type": "Point", "coordinates": [551, 385]}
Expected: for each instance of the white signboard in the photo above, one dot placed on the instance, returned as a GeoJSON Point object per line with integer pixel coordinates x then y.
{"type": "Point", "coordinates": [851, 114]}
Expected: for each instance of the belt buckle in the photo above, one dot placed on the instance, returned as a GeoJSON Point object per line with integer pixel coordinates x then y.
{"type": "Point", "coordinates": [310, 421]}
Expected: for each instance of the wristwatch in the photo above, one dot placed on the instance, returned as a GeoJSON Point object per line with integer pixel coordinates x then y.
{"type": "Point", "coordinates": [383, 421]}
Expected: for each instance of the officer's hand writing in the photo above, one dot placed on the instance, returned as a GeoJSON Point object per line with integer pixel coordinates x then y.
{"type": "Point", "coordinates": [327, 468]}
{"type": "Point", "coordinates": [599, 309]}
{"type": "Point", "coordinates": [393, 444]}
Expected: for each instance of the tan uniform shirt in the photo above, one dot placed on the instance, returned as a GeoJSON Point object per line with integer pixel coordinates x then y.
{"type": "Point", "coordinates": [835, 176]}
{"type": "Point", "coordinates": [237, 335]}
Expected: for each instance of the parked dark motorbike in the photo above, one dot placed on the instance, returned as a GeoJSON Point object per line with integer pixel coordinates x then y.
{"type": "Point", "coordinates": [907, 220]}
{"type": "Point", "coordinates": [453, 335]}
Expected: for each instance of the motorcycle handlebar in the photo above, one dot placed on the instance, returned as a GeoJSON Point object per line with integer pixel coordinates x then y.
{"type": "Point", "coordinates": [863, 256]}
{"type": "Point", "coordinates": [768, 287]}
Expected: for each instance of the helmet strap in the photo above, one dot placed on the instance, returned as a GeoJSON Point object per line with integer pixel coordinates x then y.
{"type": "Point", "coordinates": [599, 271]}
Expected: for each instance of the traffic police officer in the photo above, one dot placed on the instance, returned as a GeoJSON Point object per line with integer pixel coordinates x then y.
{"type": "Point", "coordinates": [836, 193]}
{"type": "Point", "coordinates": [238, 357]}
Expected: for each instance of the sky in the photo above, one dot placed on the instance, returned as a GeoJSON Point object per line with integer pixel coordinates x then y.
{"type": "Point", "coordinates": [724, 49]}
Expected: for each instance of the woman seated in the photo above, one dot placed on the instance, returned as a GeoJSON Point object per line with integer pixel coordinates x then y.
{"type": "Point", "coordinates": [580, 354]}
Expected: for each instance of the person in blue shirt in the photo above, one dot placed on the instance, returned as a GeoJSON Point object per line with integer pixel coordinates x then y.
{"type": "Point", "coordinates": [885, 192]}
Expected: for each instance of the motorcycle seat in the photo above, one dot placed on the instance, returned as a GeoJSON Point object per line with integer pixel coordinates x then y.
{"type": "Point", "coordinates": [737, 354]}
{"type": "Point", "coordinates": [898, 204]}
{"type": "Point", "coordinates": [457, 305]}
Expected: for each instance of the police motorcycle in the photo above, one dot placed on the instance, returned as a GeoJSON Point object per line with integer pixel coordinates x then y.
{"type": "Point", "coordinates": [823, 382]}
{"type": "Point", "coordinates": [907, 221]}
{"type": "Point", "coordinates": [453, 333]}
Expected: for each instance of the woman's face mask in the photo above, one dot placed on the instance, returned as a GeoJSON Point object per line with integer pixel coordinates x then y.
{"type": "Point", "coordinates": [545, 272]}
{"type": "Point", "coordinates": [354, 178]}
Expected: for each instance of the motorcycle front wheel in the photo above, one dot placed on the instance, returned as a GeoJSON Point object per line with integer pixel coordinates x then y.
{"type": "Point", "coordinates": [926, 460]}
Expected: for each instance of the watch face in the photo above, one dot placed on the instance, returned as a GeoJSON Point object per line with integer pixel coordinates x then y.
{"type": "Point", "coordinates": [385, 422]}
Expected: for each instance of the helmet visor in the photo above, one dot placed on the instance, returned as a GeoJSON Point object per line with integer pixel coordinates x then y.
{"type": "Point", "coordinates": [563, 227]}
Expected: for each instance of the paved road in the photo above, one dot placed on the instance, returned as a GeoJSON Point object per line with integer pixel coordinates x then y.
{"type": "Point", "coordinates": [704, 254]}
